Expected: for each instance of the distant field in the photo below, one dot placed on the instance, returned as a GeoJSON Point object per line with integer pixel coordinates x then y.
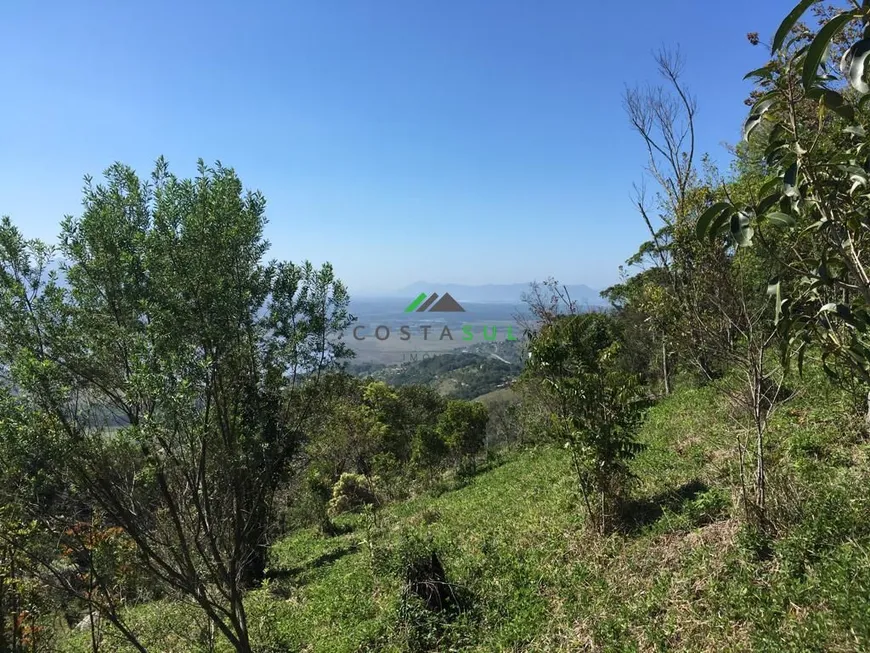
{"type": "Point", "coordinates": [498, 396]}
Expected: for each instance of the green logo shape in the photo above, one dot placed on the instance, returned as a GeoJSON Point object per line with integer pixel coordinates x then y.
{"type": "Point", "coordinates": [414, 304]}
{"type": "Point", "coordinates": [444, 305]}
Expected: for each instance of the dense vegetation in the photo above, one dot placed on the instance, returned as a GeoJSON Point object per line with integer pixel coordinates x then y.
{"type": "Point", "coordinates": [459, 375]}
{"type": "Point", "coordinates": [187, 464]}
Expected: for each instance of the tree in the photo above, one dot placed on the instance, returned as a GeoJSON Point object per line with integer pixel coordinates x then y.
{"type": "Point", "coordinates": [166, 364]}
{"type": "Point", "coordinates": [809, 126]}
{"type": "Point", "coordinates": [664, 117]}
{"type": "Point", "coordinates": [703, 300]}
{"type": "Point", "coordinates": [462, 427]}
{"type": "Point", "coordinates": [594, 407]}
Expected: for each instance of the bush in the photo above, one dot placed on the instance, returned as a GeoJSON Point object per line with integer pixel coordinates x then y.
{"type": "Point", "coordinates": [592, 406]}
{"type": "Point", "coordinates": [352, 492]}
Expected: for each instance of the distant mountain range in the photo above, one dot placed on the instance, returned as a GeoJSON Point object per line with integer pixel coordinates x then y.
{"type": "Point", "coordinates": [501, 292]}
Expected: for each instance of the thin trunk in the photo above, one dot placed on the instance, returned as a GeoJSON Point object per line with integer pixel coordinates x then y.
{"type": "Point", "coordinates": [742, 457]}
{"type": "Point", "coordinates": [95, 646]}
{"type": "Point", "coordinates": [759, 470]}
{"type": "Point", "coordinates": [16, 607]}
{"type": "Point", "coordinates": [3, 645]}
{"type": "Point", "coordinates": [665, 367]}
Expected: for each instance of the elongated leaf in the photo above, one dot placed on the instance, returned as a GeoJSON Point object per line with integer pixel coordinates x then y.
{"type": "Point", "coordinates": [777, 153]}
{"type": "Point", "coordinates": [820, 44]}
{"type": "Point", "coordinates": [740, 229]}
{"type": "Point", "coordinates": [769, 186]}
{"type": "Point", "coordinates": [778, 219]}
{"type": "Point", "coordinates": [788, 24]}
{"type": "Point", "coordinates": [756, 115]}
{"type": "Point", "coordinates": [774, 289]}
{"type": "Point", "coordinates": [767, 203]}
{"type": "Point", "coordinates": [702, 227]}
{"type": "Point", "coordinates": [719, 223]}
{"type": "Point", "coordinates": [765, 72]}
{"type": "Point", "coordinates": [789, 181]}
{"type": "Point", "coordinates": [845, 314]}
{"type": "Point", "coordinates": [749, 126]}
{"type": "Point", "coordinates": [853, 63]}
{"type": "Point", "coordinates": [835, 102]}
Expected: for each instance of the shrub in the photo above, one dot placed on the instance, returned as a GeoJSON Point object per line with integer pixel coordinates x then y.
{"type": "Point", "coordinates": [352, 492]}
{"type": "Point", "coordinates": [592, 406]}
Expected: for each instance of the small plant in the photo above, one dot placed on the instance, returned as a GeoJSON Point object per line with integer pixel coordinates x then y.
{"type": "Point", "coordinates": [429, 602]}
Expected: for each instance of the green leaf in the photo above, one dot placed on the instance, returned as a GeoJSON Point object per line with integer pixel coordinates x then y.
{"type": "Point", "coordinates": [756, 115]}
{"type": "Point", "coordinates": [780, 219]}
{"type": "Point", "coordinates": [768, 202]}
{"type": "Point", "coordinates": [751, 123]}
{"type": "Point", "coordinates": [789, 23]}
{"type": "Point", "coordinates": [853, 63]}
{"type": "Point", "coordinates": [719, 223]}
{"type": "Point", "coordinates": [765, 72]}
{"type": "Point", "coordinates": [844, 313]}
{"type": "Point", "coordinates": [740, 229]}
{"type": "Point", "coordinates": [835, 102]}
{"type": "Point", "coordinates": [774, 289]}
{"type": "Point", "coordinates": [769, 186]}
{"type": "Point", "coordinates": [775, 152]}
{"type": "Point", "coordinates": [820, 44]}
{"type": "Point", "coordinates": [702, 227]}
{"type": "Point", "coordinates": [789, 181]}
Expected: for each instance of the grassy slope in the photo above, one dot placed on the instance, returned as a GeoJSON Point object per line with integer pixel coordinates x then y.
{"type": "Point", "coordinates": [687, 577]}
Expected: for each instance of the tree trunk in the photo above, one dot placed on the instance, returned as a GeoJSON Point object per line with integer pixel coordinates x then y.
{"type": "Point", "coordinates": [665, 368]}
{"type": "Point", "coordinates": [759, 471]}
{"type": "Point", "coordinates": [255, 567]}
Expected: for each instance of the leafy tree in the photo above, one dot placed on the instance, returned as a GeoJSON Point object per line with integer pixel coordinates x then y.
{"type": "Point", "coordinates": [462, 427]}
{"type": "Point", "coordinates": [165, 362]}
{"type": "Point", "coordinates": [429, 449]}
{"type": "Point", "coordinates": [594, 407]}
{"type": "Point", "coordinates": [809, 125]}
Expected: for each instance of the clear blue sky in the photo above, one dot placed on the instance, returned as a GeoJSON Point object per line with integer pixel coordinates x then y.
{"type": "Point", "coordinates": [380, 131]}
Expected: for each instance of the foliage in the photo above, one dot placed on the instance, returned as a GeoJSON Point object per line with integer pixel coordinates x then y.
{"type": "Point", "coordinates": [163, 363]}
{"type": "Point", "coordinates": [595, 407]}
{"type": "Point", "coordinates": [808, 126]}
{"type": "Point", "coordinates": [462, 427]}
{"type": "Point", "coordinates": [352, 492]}
{"type": "Point", "coordinates": [682, 580]}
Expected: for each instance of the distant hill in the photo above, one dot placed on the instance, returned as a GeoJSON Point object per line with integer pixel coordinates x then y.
{"type": "Point", "coordinates": [503, 292]}
{"type": "Point", "coordinates": [463, 374]}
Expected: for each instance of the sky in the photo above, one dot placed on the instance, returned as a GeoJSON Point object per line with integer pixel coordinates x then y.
{"type": "Point", "coordinates": [459, 141]}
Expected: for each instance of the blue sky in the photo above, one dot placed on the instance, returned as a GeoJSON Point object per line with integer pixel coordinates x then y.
{"type": "Point", "coordinates": [380, 131]}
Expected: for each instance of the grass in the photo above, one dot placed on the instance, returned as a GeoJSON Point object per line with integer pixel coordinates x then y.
{"type": "Point", "coordinates": [685, 575]}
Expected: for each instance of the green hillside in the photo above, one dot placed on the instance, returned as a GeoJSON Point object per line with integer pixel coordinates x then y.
{"type": "Point", "coordinates": [459, 374]}
{"type": "Point", "coordinates": [683, 574]}
{"type": "Point", "coordinates": [208, 448]}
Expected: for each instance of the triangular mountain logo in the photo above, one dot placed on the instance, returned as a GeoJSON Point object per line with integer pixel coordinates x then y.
{"type": "Point", "coordinates": [434, 304]}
